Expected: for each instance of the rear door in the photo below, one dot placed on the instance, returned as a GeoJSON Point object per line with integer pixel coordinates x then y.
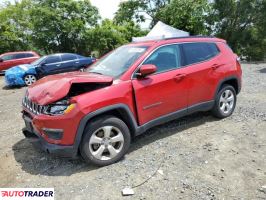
{"type": "Point", "coordinates": [29, 58]}
{"type": "Point", "coordinates": [69, 62]}
{"type": "Point", "coordinates": [19, 59]}
{"type": "Point", "coordinates": [165, 91]}
{"type": "Point", "coordinates": [202, 62]}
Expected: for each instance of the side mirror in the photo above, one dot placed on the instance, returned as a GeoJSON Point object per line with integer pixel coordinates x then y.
{"type": "Point", "coordinates": [145, 70]}
{"type": "Point", "coordinates": [1, 60]}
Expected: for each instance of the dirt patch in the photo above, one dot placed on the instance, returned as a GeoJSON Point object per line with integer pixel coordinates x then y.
{"type": "Point", "coordinates": [199, 157]}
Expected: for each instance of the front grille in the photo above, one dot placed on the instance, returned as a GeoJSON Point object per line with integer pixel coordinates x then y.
{"type": "Point", "coordinates": [33, 107]}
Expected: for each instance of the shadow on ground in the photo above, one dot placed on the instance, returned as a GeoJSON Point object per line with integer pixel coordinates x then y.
{"type": "Point", "coordinates": [11, 87]}
{"type": "Point", "coordinates": [262, 70]}
{"type": "Point", "coordinates": [35, 162]}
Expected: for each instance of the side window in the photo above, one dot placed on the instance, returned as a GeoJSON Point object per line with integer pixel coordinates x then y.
{"type": "Point", "coordinates": [67, 57]}
{"type": "Point", "coordinates": [165, 58]}
{"type": "Point", "coordinates": [28, 55]}
{"type": "Point", "coordinates": [19, 55]}
{"type": "Point", "coordinates": [198, 52]}
{"type": "Point", "coordinates": [52, 59]}
{"type": "Point", "coordinates": [8, 57]}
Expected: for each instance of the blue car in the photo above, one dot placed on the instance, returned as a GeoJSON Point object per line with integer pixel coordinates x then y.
{"type": "Point", "coordinates": [27, 74]}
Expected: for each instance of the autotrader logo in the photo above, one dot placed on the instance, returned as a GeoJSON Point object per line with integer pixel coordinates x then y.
{"type": "Point", "coordinates": [27, 193]}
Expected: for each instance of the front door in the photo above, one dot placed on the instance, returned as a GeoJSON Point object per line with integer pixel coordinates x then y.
{"type": "Point", "coordinates": [165, 91]}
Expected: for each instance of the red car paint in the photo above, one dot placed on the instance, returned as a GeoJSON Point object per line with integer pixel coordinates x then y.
{"type": "Point", "coordinates": [147, 98]}
{"type": "Point", "coordinates": [17, 58]}
{"type": "Point", "coordinates": [44, 91]}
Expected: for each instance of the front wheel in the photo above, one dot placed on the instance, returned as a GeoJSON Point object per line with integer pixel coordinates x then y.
{"type": "Point", "coordinates": [106, 141]}
{"type": "Point", "coordinates": [225, 102]}
{"type": "Point", "coordinates": [30, 79]}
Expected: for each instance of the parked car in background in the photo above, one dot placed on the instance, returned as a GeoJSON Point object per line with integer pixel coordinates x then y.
{"type": "Point", "coordinates": [52, 64]}
{"type": "Point", "coordinates": [11, 59]}
{"type": "Point", "coordinates": [137, 86]}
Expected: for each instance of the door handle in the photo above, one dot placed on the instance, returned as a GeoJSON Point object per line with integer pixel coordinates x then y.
{"type": "Point", "coordinates": [57, 65]}
{"type": "Point", "coordinates": [76, 62]}
{"type": "Point", "coordinates": [179, 77]}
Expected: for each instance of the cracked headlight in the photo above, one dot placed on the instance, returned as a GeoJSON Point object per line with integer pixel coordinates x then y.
{"type": "Point", "coordinates": [60, 108]}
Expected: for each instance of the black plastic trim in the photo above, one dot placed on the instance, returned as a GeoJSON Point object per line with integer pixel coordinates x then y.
{"type": "Point", "coordinates": [55, 134]}
{"type": "Point", "coordinates": [228, 79]}
{"type": "Point", "coordinates": [40, 143]}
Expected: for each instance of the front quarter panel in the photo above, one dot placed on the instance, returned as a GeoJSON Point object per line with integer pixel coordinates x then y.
{"type": "Point", "coordinates": [120, 92]}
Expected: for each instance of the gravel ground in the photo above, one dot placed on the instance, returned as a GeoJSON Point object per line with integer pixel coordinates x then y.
{"type": "Point", "coordinates": [198, 157]}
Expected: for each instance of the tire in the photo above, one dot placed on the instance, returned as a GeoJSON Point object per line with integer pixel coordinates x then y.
{"type": "Point", "coordinates": [82, 69]}
{"type": "Point", "coordinates": [225, 102]}
{"type": "Point", "coordinates": [29, 79]}
{"type": "Point", "coordinates": [97, 147]}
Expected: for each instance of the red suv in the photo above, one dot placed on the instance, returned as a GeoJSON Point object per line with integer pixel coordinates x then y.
{"type": "Point", "coordinates": [11, 59]}
{"type": "Point", "coordinates": [135, 87]}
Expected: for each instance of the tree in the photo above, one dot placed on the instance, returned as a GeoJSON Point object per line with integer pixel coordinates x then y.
{"type": "Point", "coordinates": [60, 25]}
{"type": "Point", "coordinates": [187, 15]}
{"type": "Point", "coordinates": [108, 35]}
{"type": "Point", "coordinates": [138, 10]}
{"type": "Point", "coordinates": [242, 24]}
{"type": "Point", "coordinates": [14, 27]}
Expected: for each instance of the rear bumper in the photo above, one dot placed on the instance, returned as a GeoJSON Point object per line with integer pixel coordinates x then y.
{"type": "Point", "coordinates": [40, 143]}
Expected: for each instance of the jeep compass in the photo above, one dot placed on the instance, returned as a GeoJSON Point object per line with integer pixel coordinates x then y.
{"type": "Point", "coordinates": [96, 113]}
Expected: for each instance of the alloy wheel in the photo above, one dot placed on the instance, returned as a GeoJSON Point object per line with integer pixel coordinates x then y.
{"type": "Point", "coordinates": [226, 102]}
{"type": "Point", "coordinates": [30, 79]}
{"type": "Point", "coordinates": [106, 143]}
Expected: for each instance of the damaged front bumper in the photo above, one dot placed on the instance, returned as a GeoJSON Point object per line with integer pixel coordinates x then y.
{"type": "Point", "coordinates": [39, 142]}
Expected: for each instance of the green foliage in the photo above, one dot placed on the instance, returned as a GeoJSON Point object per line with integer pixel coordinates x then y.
{"type": "Point", "coordinates": [14, 32]}
{"type": "Point", "coordinates": [108, 35]}
{"type": "Point", "coordinates": [242, 24]}
{"type": "Point", "coordinates": [187, 15]}
{"type": "Point", "coordinates": [138, 10]}
{"type": "Point", "coordinates": [49, 26]}
{"type": "Point", "coordinates": [62, 25]}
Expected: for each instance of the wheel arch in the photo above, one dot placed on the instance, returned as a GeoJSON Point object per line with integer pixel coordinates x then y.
{"type": "Point", "coordinates": [121, 111]}
{"type": "Point", "coordinates": [232, 80]}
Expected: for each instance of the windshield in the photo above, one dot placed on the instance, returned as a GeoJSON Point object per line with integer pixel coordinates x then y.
{"type": "Point", "coordinates": [37, 62]}
{"type": "Point", "coordinates": [117, 62]}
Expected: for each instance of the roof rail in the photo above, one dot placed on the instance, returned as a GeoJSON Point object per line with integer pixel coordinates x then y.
{"type": "Point", "coordinates": [192, 36]}
{"type": "Point", "coordinates": [159, 38]}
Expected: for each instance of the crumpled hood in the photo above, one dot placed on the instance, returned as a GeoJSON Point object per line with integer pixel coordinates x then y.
{"type": "Point", "coordinates": [53, 88]}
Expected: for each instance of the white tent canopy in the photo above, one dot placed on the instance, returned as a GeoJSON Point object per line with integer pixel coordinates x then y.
{"type": "Point", "coordinates": [161, 31]}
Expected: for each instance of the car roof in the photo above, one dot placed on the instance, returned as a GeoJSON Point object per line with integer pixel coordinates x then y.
{"type": "Point", "coordinates": [15, 52]}
{"type": "Point", "coordinates": [60, 54]}
{"type": "Point", "coordinates": [179, 39]}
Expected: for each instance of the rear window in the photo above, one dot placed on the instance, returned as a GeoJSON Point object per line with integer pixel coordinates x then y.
{"type": "Point", "coordinates": [19, 55]}
{"type": "Point", "coordinates": [28, 55]}
{"type": "Point", "coordinates": [199, 52]}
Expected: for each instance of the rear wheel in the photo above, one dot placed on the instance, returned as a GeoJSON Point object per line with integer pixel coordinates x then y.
{"type": "Point", "coordinates": [82, 69]}
{"type": "Point", "coordinates": [106, 141]}
{"type": "Point", "coordinates": [225, 102]}
{"type": "Point", "coordinates": [30, 79]}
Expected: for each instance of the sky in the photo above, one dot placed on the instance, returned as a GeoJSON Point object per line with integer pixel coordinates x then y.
{"type": "Point", "coordinates": [107, 8]}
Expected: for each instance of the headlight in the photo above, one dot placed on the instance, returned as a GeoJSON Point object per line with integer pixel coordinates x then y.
{"type": "Point", "coordinates": [60, 108]}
